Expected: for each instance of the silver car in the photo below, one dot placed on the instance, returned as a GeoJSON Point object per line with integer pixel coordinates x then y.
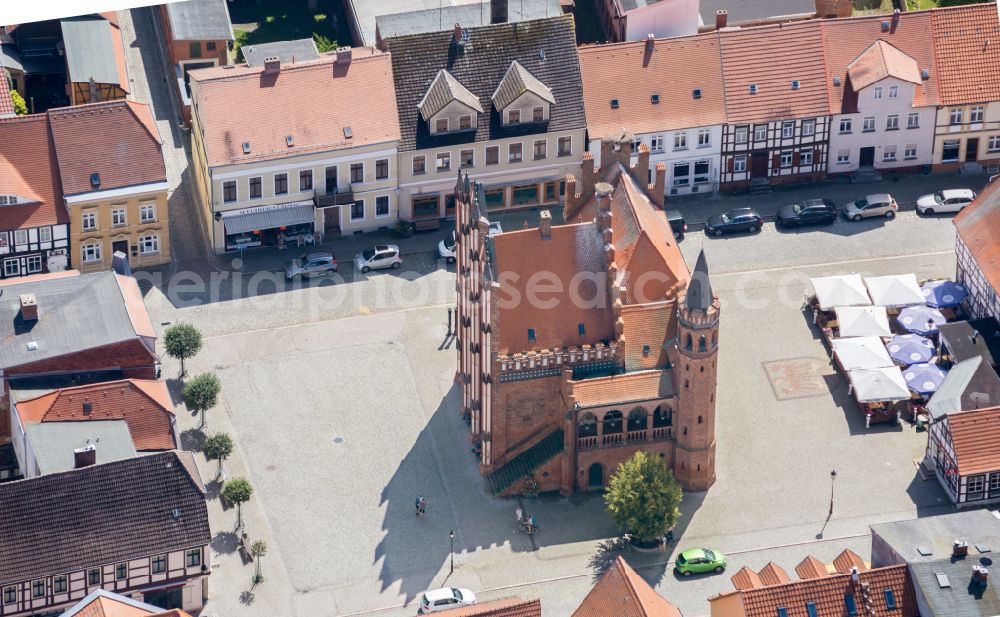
{"type": "Point", "coordinates": [879, 204]}
{"type": "Point", "coordinates": [310, 265]}
{"type": "Point", "coordinates": [377, 257]}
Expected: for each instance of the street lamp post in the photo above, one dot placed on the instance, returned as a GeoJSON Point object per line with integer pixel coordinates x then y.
{"type": "Point", "coordinates": [833, 477]}
{"type": "Point", "coordinates": [451, 536]}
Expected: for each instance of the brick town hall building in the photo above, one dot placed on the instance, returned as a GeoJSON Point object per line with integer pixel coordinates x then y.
{"type": "Point", "coordinates": [580, 344]}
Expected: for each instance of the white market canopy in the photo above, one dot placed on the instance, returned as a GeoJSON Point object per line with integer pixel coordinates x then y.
{"type": "Point", "coordinates": [834, 291]}
{"type": "Point", "coordinates": [861, 352]}
{"type": "Point", "coordinates": [895, 291]}
{"type": "Point", "coordinates": [878, 385]}
{"type": "Point", "coordinates": [863, 321]}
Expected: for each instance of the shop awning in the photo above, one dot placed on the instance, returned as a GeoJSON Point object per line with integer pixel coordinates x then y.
{"type": "Point", "coordinates": [863, 321]}
{"type": "Point", "coordinates": [861, 352]}
{"type": "Point", "coordinates": [878, 385]}
{"type": "Point", "coordinates": [269, 219]}
{"type": "Point", "coordinates": [833, 291]}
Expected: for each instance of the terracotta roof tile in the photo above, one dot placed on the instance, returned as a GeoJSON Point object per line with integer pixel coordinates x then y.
{"type": "Point", "coordinates": [746, 579]}
{"type": "Point", "coordinates": [623, 388]}
{"type": "Point", "coordinates": [848, 559]}
{"type": "Point", "coordinates": [666, 71]}
{"type": "Point", "coordinates": [572, 249]}
{"type": "Point", "coordinates": [109, 604]}
{"type": "Point", "coordinates": [648, 328]}
{"type": "Point", "coordinates": [6, 104]}
{"type": "Point", "coordinates": [748, 55]}
{"type": "Point", "coordinates": [968, 54]}
{"type": "Point", "coordinates": [975, 436]}
{"type": "Point", "coordinates": [507, 607]}
{"type": "Point", "coordinates": [126, 153]}
{"type": "Point", "coordinates": [773, 574]}
{"type": "Point", "coordinates": [978, 224]}
{"type": "Point", "coordinates": [623, 592]}
{"type": "Point", "coordinates": [810, 567]}
{"type": "Point", "coordinates": [144, 405]}
{"type": "Point", "coordinates": [828, 594]}
{"type": "Point", "coordinates": [273, 107]}
{"type": "Point", "coordinates": [860, 42]}
{"type": "Point", "coordinates": [29, 170]}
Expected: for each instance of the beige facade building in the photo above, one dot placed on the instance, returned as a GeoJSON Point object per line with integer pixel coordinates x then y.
{"type": "Point", "coordinates": [502, 102]}
{"type": "Point", "coordinates": [294, 166]}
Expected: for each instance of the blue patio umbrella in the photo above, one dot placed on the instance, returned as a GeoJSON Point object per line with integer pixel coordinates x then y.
{"type": "Point", "coordinates": [923, 378]}
{"type": "Point", "coordinates": [910, 349]}
{"type": "Point", "coordinates": [943, 294]}
{"type": "Point", "coordinates": [921, 319]}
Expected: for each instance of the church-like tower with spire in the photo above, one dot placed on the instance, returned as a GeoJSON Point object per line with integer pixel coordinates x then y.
{"type": "Point", "coordinates": [698, 352]}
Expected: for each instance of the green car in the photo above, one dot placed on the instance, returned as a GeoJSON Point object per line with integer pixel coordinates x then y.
{"type": "Point", "coordinates": [698, 560]}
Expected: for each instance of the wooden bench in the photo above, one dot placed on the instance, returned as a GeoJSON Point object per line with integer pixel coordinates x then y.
{"type": "Point", "coordinates": [244, 548]}
{"type": "Point", "coordinates": [426, 224]}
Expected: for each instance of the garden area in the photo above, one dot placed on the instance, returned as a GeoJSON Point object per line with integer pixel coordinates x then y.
{"type": "Point", "coordinates": [267, 21]}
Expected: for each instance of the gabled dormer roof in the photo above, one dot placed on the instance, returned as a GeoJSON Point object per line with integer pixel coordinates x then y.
{"type": "Point", "coordinates": [881, 60]}
{"type": "Point", "coordinates": [443, 90]}
{"type": "Point", "coordinates": [516, 81]}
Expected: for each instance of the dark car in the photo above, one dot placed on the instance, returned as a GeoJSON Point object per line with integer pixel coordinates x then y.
{"type": "Point", "coordinates": [677, 223]}
{"type": "Point", "coordinates": [740, 219]}
{"type": "Point", "coordinates": [809, 212]}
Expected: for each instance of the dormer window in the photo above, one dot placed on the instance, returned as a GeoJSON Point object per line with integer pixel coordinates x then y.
{"type": "Point", "coordinates": [514, 116]}
{"type": "Point", "coordinates": [520, 93]}
{"type": "Point", "coordinates": [614, 103]}
{"type": "Point", "coordinates": [654, 99]}
{"type": "Point", "coordinates": [441, 125]}
{"type": "Point", "coordinates": [464, 123]}
{"type": "Point", "coordinates": [8, 200]}
{"type": "Point", "coordinates": [696, 93]}
{"type": "Point", "coordinates": [449, 106]}
{"type": "Point", "coordinates": [538, 114]}
{"type": "Point", "coordinates": [796, 84]}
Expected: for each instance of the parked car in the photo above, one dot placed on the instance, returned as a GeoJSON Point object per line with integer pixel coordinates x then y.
{"type": "Point", "coordinates": [310, 265]}
{"type": "Point", "coordinates": [808, 212]}
{"type": "Point", "coordinates": [677, 223]}
{"type": "Point", "coordinates": [446, 248]}
{"type": "Point", "coordinates": [377, 257]}
{"type": "Point", "coordinates": [880, 204]}
{"type": "Point", "coordinates": [446, 598]}
{"type": "Point", "coordinates": [950, 200]}
{"type": "Point", "coordinates": [740, 219]}
{"type": "Point", "coordinates": [697, 560]}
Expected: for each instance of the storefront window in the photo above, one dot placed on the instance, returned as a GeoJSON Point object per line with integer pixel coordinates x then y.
{"type": "Point", "coordinates": [550, 191]}
{"type": "Point", "coordinates": [425, 207]}
{"type": "Point", "coordinates": [494, 198]}
{"type": "Point", "coordinates": [949, 151]}
{"type": "Point", "coordinates": [701, 172]}
{"type": "Point", "coordinates": [525, 195]}
{"type": "Point", "coordinates": [682, 174]}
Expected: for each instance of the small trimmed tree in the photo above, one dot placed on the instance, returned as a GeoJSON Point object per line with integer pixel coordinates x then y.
{"type": "Point", "coordinates": [238, 491]}
{"type": "Point", "coordinates": [20, 107]}
{"type": "Point", "coordinates": [218, 447]}
{"type": "Point", "coordinates": [258, 549]}
{"type": "Point", "coordinates": [643, 497]}
{"type": "Point", "coordinates": [182, 341]}
{"type": "Point", "coordinates": [202, 393]}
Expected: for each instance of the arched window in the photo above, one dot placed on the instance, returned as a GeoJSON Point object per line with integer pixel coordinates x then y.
{"type": "Point", "coordinates": [702, 343]}
{"type": "Point", "coordinates": [662, 416]}
{"type": "Point", "coordinates": [685, 430]}
{"type": "Point", "coordinates": [637, 419]}
{"type": "Point", "coordinates": [587, 426]}
{"type": "Point", "coordinates": [715, 338]}
{"type": "Point", "coordinates": [613, 422]}
{"type": "Point", "coordinates": [688, 343]}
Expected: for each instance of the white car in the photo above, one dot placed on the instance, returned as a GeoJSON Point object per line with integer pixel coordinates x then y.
{"type": "Point", "coordinates": [951, 200]}
{"type": "Point", "coordinates": [446, 598]}
{"type": "Point", "coordinates": [446, 247]}
{"type": "Point", "coordinates": [377, 257]}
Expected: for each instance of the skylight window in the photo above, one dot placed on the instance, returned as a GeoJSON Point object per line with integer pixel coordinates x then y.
{"type": "Point", "coordinates": [851, 605]}
{"type": "Point", "coordinates": [696, 93]}
{"type": "Point", "coordinates": [782, 611]}
{"type": "Point", "coordinates": [614, 103]}
{"type": "Point", "coordinates": [348, 133]}
{"type": "Point", "coordinates": [890, 599]}
{"type": "Point", "coordinates": [246, 147]}
{"type": "Point", "coordinates": [655, 99]}
{"type": "Point", "coordinates": [289, 141]}
{"type": "Point", "coordinates": [811, 609]}
{"type": "Point", "coordinates": [581, 329]}
{"type": "Point", "coordinates": [796, 84]}
{"type": "Point", "coordinates": [531, 334]}
{"type": "Point", "coordinates": [95, 179]}
{"type": "Point", "coordinates": [753, 88]}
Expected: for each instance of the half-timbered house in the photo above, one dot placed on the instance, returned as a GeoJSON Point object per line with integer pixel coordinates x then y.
{"type": "Point", "coordinates": [964, 447]}
{"type": "Point", "coordinates": [977, 243]}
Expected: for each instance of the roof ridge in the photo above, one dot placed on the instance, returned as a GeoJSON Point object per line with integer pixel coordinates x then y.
{"type": "Point", "coordinates": [227, 74]}
{"type": "Point", "coordinates": [624, 570]}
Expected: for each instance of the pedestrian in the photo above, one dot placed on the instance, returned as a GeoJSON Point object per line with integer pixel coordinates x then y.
{"type": "Point", "coordinates": [419, 500]}
{"type": "Point", "coordinates": [423, 506]}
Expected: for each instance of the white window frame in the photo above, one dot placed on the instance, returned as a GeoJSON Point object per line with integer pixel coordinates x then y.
{"type": "Point", "coordinates": [843, 156]}
{"type": "Point", "coordinates": [892, 122]}
{"type": "Point", "coordinates": [805, 157]}
{"type": "Point", "coordinates": [993, 144]}
{"type": "Point", "coordinates": [91, 217]}
{"type": "Point", "coordinates": [740, 164]}
{"type": "Point", "coordinates": [680, 141]}
{"type": "Point", "coordinates": [153, 240]}
{"type": "Point", "coordinates": [703, 178]}
{"type": "Point", "coordinates": [893, 92]}
{"type": "Point", "coordinates": [8, 270]}
{"type": "Point", "coordinates": [437, 125]}
{"type": "Point", "coordinates": [760, 132]}
{"type": "Point", "coordinates": [785, 159]}
{"type": "Point", "coordinates": [114, 217]}
{"type": "Point", "coordinates": [545, 149]}
{"type": "Point", "coordinates": [955, 115]}
{"type": "Point", "coordinates": [149, 206]}
{"type": "Point", "coordinates": [958, 150]}
{"type": "Point", "coordinates": [312, 181]}
{"type": "Point", "coordinates": [636, 142]}
{"type": "Point", "coordinates": [45, 234]}
{"type": "Point", "coordinates": [975, 483]}
{"type": "Point", "coordinates": [250, 194]}
{"type": "Point", "coordinates": [236, 191]}
{"type": "Point", "coordinates": [93, 250]}
{"type": "Point", "coordinates": [510, 153]}
{"type": "Point", "coordinates": [976, 114]}
{"type": "Point", "coordinates": [681, 180]}
{"type": "Point", "coordinates": [869, 124]}
{"type": "Point", "coordinates": [889, 154]}
{"type": "Point", "coordinates": [910, 152]}
{"type": "Point", "coordinates": [511, 112]}
{"type": "Point", "coordinates": [442, 162]}
{"type": "Point", "coordinates": [20, 237]}
{"type": "Point", "coordinates": [656, 143]}
{"type": "Point", "coordinates": [994, 481]}
{"type": "Point", "coordinates": [37, 259]}
{"type": "Point", "coordinates": [846, 125]}
{"type": "Point", "coordinates": [351, 212]}
{"type": "Point", "coordinates": [704, 138]}
{"type": "Point", "coordinates": [808, 128]}
{"type": "Point", "coordinates": [913, 120]}
{"type": "Point", "coordinates": [877, 93]}
{"type": "Point", "coordinates": [787, 129]}
{"type": "Point", "coordinates": [745, 131]}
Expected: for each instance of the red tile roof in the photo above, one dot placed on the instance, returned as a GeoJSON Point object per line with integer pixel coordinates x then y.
{"type": "Point", "coordinates": [116, 139]}
{"type": "Point", "coordinates": [144, 405]}
{"type": "Point", "coordinates": [968, 54]}
{"type": "Point", "coordinates": [109, 604]}
{"type": "Point", "coordinates": [849, 559]}
{"type": "Point", "coordinates": [828, 593]}
{"type": "Point", "coordinates": [879, 61]}
{"type": "Point", "coordinates": [810, 567]}
{"type": "Point", "coordinates": [272, 107]}
{"type": "Point", "coordinates": [507, 607]}
{"type": "Point", "coordinates": [623, 388]}
{"type": "Point", "coordinates": [623, 592]}
{"type": "Point", "coordinates": [978, 225]}
{"type": "Point", "coordinates": [29, 170]}
{"type": "Point", "coordinates": [975, 436]}
{"type": "Point", "coordinates": [648, 325]}
{"type": "Point", "coordinates": [666, 71]}
{"type": "Point", "coordinates": [6, 104]}
{"type": "Point", "coordinates": [746, 578]}
{"type": "Point", "coordinates": [749, 57]}
{"type": "Point", "coordinates": [773, 574]}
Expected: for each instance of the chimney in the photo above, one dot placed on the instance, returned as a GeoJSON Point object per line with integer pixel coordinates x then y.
{"type": "Point", "coordinates": [343, 55]}
{"type": "Point", "coordinates": [498, 11]}
{"type": "Point", "coordinates": [650, 42]}
{"type": "Point", "coordinates": [29, 307]}
{"type": "Point", "coordinates": [721, 19]}
{"type": "Point", "coordinates": [545, 224]}
{"type": "Point", "coordinates": [960, 548]}
{"type": "Point", "coordinates": [855, 574]}
{"type": "Point", "coordinates": [980, 574]}
{"type": "Point", "coordinates": [272, 65]}
{"type": "Point", "coordinates": [457, 37]}
{"type": "Point", "coordinates": [85, 456]}
{"type": "Point", "coordinates": [895, 19]}
{"type": "Point", "coordinates": [658, 194]}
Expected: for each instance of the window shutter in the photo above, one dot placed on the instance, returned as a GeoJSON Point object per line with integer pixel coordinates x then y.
{"type": "Point", "coordinates": [817, 156]}
{"type": "Point", "coordinates": [730, 164]}
{"type": "Point", "coordinates": [776, 161]}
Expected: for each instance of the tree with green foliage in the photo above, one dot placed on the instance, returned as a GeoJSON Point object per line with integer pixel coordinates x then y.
{"type": "Point", "coordinates": [202, 393]}
{"type": "Point", "coordinates": [258, 549]}
{"type": "Point", "coordinates": [643, 497]}
{"type": "Point", "coordinates": [218, 447]}
{"type": "Point", "coordinates": [20, 107]}
{"type": "Point", "coordinates": [238, 491]}
{"type": "Point", "coordinates": [182, 341]}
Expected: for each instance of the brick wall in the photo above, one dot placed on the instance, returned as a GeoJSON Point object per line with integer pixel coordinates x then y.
{"type": "Point", "coordinates": [523, 412]}
{"type": "Point", "coordinates": [611, 458]}
{"type": "Point", "coordinates": [131, 356]}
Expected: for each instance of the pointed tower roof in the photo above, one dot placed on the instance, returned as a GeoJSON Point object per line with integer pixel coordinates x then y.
{"type": "Point", "coordinates": [699, 292]}
{"type": "Point", "coordinates": [623, 592]}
